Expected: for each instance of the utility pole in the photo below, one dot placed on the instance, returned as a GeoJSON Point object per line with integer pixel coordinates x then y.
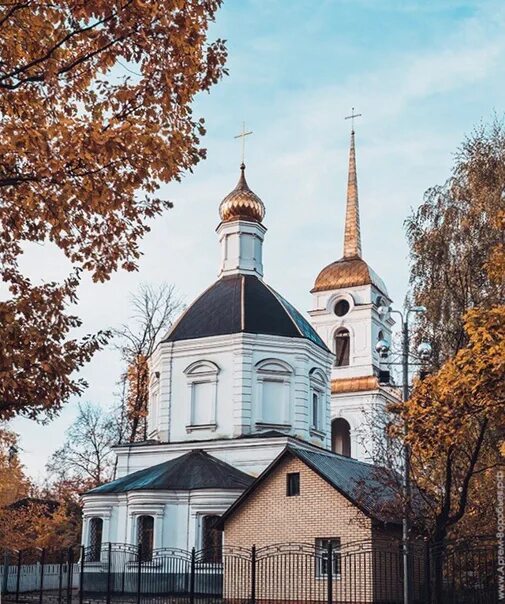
{"type": "Point", "coordinates": [406, 466]}
{"type": "Point", "coordinates": [424, 351]}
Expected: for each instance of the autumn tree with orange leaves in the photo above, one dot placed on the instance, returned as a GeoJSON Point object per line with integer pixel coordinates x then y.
{"type": "Point", "coordinates": [456, 417]}
{"type": "Point", "coordinates": [95, 107]}
{"type": "Point", "coordinates": [32, 516]}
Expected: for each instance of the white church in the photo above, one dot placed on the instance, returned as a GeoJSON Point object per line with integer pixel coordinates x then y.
{"type": "Point", "coordinates": [240, 376]}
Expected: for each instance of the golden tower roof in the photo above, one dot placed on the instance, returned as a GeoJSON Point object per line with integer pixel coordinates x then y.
{"type": "Point", "coordinates": [347, 272]}
{"type": "Point", "coordinates": [351, 270]}
{"type": "Point", "coordinates": [242, 203]}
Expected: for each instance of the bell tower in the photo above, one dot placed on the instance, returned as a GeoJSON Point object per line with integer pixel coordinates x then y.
{"type": "Point", "coordinates": [346, 296]}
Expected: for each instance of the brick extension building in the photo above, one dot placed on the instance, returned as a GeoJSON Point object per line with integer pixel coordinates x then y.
{"type": "Point", "coordinates": [313, 497]}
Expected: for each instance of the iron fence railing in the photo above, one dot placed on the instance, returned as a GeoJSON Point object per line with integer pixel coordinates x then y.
{"type": "Point", "coordinates": [360, 572]}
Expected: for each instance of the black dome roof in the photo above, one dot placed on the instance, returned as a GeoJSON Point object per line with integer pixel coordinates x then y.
{"type": "Point", "coordinates": [241, 303]}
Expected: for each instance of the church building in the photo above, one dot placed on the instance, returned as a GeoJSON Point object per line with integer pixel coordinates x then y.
{"type": "Point", "coordinates": [241, 376]}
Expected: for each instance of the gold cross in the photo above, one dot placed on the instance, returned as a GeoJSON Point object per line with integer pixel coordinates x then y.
{"type": "Point", "coordinates": [242, 135]}
{"type": "Point", "coordinates": [352, 116]}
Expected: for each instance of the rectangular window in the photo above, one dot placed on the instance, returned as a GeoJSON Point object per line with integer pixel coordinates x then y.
{"type": "Point", "coordinates": [212, 540]}
{"type": "Point", "coordinates": [202, 402]}
{"type": "Point", "coordinates": [315, 410]}
{"type": "Point", "coordinates": [273, 402]}
{"type": "Point", "coordinates": [293, 484]}
{"type": "Point", "coordinates": [322, 556]}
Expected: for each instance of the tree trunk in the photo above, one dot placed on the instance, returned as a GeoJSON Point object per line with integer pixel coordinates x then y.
{"type": "Point", "coordinates": [437, 564]}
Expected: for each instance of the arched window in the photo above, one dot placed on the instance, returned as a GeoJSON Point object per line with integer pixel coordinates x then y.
{"type": "Point", "coordinates": [341, 436]}
{"type": "Point", "coordinates": [95, 539]}
{"type": "Point", "coordinates": [342, 347]}
{"type": "Point", "coordinates": [316, 404]}
{"type": "Point", "coordinates": [145, 537]}
{"type": "Point", "coordinates": [202, 384]}
{"type": "Point", "coordinates": [273, 393]}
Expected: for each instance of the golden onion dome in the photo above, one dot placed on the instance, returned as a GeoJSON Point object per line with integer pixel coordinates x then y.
{"type": "Point", "coordinates": [242, 203]}
{"type": "Point", "coordinates": [347, 272]}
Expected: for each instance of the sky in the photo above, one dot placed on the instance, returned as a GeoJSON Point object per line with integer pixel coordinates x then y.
{"type": "Point", "coordinates": [422, 72]}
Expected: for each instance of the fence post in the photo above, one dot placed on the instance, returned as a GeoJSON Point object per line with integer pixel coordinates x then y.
{"type": "Point", "coordinates": [253, 575]}
{"type": "Point", "coordinates": [139, 571]}
{"type": "Point", "coordinates": [5, 576]}
{"type": "Point", "coordinates": [41, 584]}
{"type": "Point", "coordinates": [109, 568]}
{"type": "Point", "coordinates": [427, 572]}
{"type": "Point", "coordinates": [70, 564]}
{"type": "Point", "coordinates": [192, 577]}
{"type": "Point", "coordinates": [329, 568]}
{"type": "Point", "coordinates": [81, 575]}
{"type": "Point", "coordinates": [60, 578]}
{"type": "Point", "coordinates": [18, 576]}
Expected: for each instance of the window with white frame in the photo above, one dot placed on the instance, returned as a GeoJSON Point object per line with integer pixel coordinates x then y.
{"type": "Point", "coordinates": [202, 379]}
{"type": "Point", "coordinates": [316, 406]}
{"type": "Point", "coordinates": [273, 393]}
{"type": "Point", "coordinates": [324, 548]}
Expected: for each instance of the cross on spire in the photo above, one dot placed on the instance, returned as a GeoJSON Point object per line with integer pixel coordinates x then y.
{"type": "Point", "coordinates": [351, 117]}
{"type": "Point", "coordinates": [242, 135]}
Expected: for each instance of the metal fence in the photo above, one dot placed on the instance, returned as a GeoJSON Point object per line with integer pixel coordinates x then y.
{"type": "Point", "coordinates": [355, 573]}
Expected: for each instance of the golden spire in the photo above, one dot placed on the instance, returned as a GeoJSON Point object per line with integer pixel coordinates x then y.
{"type": "Point", "coordinates": [352, 235]}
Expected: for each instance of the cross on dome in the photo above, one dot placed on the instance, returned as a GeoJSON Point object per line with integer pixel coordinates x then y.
{"type": "Point", "coordinates": [242, 135]}
{"type": "Point", "coordinates": [242, 203]}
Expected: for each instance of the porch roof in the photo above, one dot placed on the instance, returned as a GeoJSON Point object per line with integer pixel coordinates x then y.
{"type": "Point", "coordinates": [194, 470]}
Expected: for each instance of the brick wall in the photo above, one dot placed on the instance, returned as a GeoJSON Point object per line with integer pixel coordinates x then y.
{"type": "Point", "coordinates": [269, 517]}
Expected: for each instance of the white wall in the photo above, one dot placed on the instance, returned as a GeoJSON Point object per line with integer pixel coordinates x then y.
{"type": "Point", "coordinates": [238, 390]}
{"type": "Point", "coordinates": [177, 515]}
{"type": "Point", "coordinates": [363, 322]}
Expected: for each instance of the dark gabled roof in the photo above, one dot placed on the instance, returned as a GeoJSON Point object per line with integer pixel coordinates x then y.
{"type": "Point", "coordinates": [242, 303]}
{"type": "Point", "coordinates": [48, 505]}
{"type": "Point", "coordinates": [370, 488]}
{"type": "Point", "coordinates": [194, 470]}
